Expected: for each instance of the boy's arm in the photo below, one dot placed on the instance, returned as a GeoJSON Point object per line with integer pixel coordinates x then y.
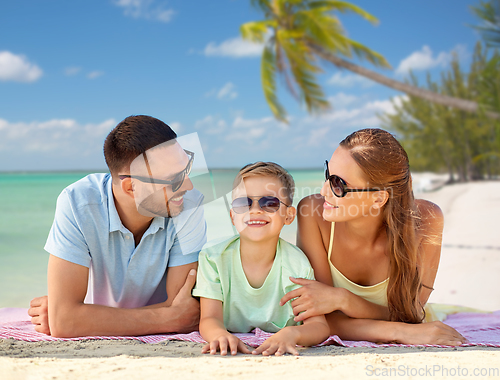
{"type": "Point", "coordinates": [313, 331]}
{"type": "Point", "coordinates": [69, 316]}
{"type": "Point", "coordinates": [213, 331]}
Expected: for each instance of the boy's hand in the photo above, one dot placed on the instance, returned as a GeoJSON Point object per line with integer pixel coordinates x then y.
{"type": "Point", "coordinates": [284, 341]}
{"type": "Point", "coordinates": [222, 342]}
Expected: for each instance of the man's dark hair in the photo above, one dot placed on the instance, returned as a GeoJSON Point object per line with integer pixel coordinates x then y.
{"type": "Point", "coordinates": [132, 137]}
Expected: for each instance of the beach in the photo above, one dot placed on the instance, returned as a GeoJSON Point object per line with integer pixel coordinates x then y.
{"type": "Point", "coordinates": [468, 276]}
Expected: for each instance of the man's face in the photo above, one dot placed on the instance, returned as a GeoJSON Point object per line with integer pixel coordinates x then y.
{"type": "Point", "coordinates": [164, 162]}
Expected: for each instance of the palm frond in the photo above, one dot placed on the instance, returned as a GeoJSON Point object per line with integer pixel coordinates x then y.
{"type": "Point", "coordinates": [371, 56]}
{"type": "Point", "coordinates": [256, 31]}
{"type": "Point", "coordinates": [342, 6]}
{"type": "Point", "coordinates": [268, 70]}
{"type": "Point", "coordinates": [304, 71]}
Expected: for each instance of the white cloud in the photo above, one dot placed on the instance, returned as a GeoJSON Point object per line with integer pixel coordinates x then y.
{"type": "Point", "coordinates": [235, 48]}
{"type": "Point", "coordinates": [341, 100]}
{"type": "Point", "coordinates": [424, 59]}
{"type": "Point", "coordinates": [145, 9]}
{"type": "Point", "coordinates": [211, 125]}
{"type": "Point", "coordinates": [349, 80]}
{"type": "Point", "coordinates": [227, 92]}
{"type": "Point", "coordinates": [317, 136]}
{"type": "Point", "coordinates": [17, 68]}
{"type": "Point", "coordinates": [95, 74]}
{"type": "Point", "coordinates": [176, 126]}
{"type": "Point", "coordinates": [73, 70]}
{"type": "Point", "coordinates": [67, 137]}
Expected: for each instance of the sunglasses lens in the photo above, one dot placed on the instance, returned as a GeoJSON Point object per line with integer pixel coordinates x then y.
{"type": "Point", "coordinates": [241, 205]}
{"type": "Point", "coordinates": [337, 186]}
{"type": "Point", "coordinates": [178, 181]}
{"type": "Point", "coordinates": [269, 204]}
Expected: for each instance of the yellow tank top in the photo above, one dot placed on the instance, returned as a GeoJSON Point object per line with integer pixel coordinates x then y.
{"type": "Point", "coordinates": [376, 294]}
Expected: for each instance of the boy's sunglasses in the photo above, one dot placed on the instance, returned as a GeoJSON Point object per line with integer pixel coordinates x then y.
{"type": "Point", "coordinates": [267, 204]}
{"type": "Point", "coordinates": [338, 185]}
{"type": "Point", "coordinates": [176, 182]}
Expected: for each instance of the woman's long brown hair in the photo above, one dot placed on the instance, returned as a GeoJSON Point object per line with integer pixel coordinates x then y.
{"type": "Point", "coordinates": [385, 164]}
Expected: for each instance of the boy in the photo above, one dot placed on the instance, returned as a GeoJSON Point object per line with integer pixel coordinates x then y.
{"type": "Point", "coordinates": [241, 280]}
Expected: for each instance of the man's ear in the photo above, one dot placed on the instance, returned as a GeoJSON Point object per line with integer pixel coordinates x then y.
{"type": "Point", "coordinates": [290, 215]}
{"type": "Point", "coordinates": [380, 199]}
{"type": "Point", "coordinates": [127, 187]}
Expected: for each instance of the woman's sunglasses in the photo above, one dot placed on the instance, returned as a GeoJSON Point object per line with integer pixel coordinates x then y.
{"type": "Point", "coordinates": [175, 182]}
{"type": "Point", "coordinates": [338, 185]}
{"type": "Point", "coordinates": [267, 204]}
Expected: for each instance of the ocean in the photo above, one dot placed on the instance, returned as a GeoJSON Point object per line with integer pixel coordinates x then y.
{"type": "Point", "coordinates": [27, 205]}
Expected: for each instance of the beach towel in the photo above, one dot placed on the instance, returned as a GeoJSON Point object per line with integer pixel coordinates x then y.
{"type": "Point", "coordinates": [481, 329]}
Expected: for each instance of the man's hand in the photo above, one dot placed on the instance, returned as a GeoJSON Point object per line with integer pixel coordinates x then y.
{"type": "Point", "coordinates": [187, 307]}
{"type": "Point", "coordinates": [39, 314]}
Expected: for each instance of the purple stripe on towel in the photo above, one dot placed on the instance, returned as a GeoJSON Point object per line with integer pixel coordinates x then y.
{"type": "Point", "coordinates": [480, 329]}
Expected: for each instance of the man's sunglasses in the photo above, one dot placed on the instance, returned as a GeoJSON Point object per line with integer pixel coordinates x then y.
{"type": "Point", "coordinates": [176, 182]}
{"type": "Point", "coordinates": [339, 186]}
{"type": "Point", "coordinates": [267, 204]}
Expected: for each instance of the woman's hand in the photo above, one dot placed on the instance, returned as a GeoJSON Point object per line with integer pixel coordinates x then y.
{"type": "Point", "coordinates": [284, 341]}
{"type": "Point", "coordinates": [313, 298]}
{"type": "Point", "coordinates": [222, 342]}
{"type": "Point", "coordinates": [429, 333]}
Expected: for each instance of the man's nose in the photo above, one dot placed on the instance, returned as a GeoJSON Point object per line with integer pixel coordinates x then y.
{"type": "Point", "coordinates": [187, 184]}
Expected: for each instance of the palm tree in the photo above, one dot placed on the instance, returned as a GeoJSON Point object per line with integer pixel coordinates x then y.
{"type": "Point", "coordinates": [489, 12]}
{"type": "Point", "coordinates": [299, 33]}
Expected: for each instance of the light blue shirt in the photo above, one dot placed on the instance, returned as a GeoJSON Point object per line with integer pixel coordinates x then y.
{"type": "Point", "coordinates": [88, 231]}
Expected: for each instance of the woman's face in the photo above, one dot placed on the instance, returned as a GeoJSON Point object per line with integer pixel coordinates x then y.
{"type": "Point", "coordinates": [354, 204]}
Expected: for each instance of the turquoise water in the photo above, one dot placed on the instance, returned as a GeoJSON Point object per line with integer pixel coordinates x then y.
{"type": "Point", "coordinates": [27, 205]}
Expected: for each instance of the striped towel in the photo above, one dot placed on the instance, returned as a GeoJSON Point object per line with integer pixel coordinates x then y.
{"type": "Point", "coordinates": [481, 329]}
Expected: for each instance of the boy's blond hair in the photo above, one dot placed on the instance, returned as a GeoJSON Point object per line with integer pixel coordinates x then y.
{"type": "Point", "coordinates": [268, 169]}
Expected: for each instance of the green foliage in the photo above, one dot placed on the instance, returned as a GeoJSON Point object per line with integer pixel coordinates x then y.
{"type": "Point", "coordinates": [293, 29]}
{"type": "Point", "coordinates": [489, 13]}
{"type": "Point", "coordinates": [439, 138]}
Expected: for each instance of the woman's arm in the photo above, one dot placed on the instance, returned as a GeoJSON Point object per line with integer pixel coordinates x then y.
{"type": "Point", "coordinates": [431, 235]}
{"type": "Point", "coordinates": [314, 298]}
{"type": "Point", "coordinates": [213, 331]}
{"type": "Point", "coordinates": [393, 332]}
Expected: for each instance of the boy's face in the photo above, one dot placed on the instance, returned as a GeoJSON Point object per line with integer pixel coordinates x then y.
{"type": "Point", "coordinates": [256, 224]}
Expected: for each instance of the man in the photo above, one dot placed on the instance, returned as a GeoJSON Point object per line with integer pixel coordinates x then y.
{"type": "Point", "coordinates": [124, 246]}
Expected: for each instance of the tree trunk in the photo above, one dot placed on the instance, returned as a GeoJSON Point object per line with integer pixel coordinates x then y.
{"type": "Point", "coordinates": [466, 105]}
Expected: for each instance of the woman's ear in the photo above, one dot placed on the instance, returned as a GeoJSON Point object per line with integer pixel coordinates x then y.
{"type": "Point", "coordinates": [290, 215]}
{"type": "Point", "coordinates": [380, 199]}
{"type": "Point", "coordinates": [231, 214]}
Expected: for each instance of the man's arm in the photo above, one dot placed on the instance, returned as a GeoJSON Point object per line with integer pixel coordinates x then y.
{"type": "Point", "coordinates": [70, 317]}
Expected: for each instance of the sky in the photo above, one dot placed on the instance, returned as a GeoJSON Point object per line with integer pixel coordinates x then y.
{"type": "Point", "coordinates": [70, 71]}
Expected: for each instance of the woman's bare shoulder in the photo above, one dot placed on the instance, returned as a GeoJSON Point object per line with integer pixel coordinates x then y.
{"type": "Point", "coordinates": [430, 213]}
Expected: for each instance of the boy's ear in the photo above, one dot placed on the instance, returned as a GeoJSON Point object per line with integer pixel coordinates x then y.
{"type": "Point", "coordinates": [231, 214]}
{"type": "Point", "coordinates": [290, 215]}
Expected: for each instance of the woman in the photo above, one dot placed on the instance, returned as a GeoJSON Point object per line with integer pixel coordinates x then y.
{"type": "Point", "coordinates": [374, 249]}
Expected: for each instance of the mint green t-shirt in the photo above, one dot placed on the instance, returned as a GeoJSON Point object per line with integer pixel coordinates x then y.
{"type": "Point", "coordinates": [221, 277]}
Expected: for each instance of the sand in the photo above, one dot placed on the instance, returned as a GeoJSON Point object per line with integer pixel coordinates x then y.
{"type": "Point", "coordinates": [468, 275]}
